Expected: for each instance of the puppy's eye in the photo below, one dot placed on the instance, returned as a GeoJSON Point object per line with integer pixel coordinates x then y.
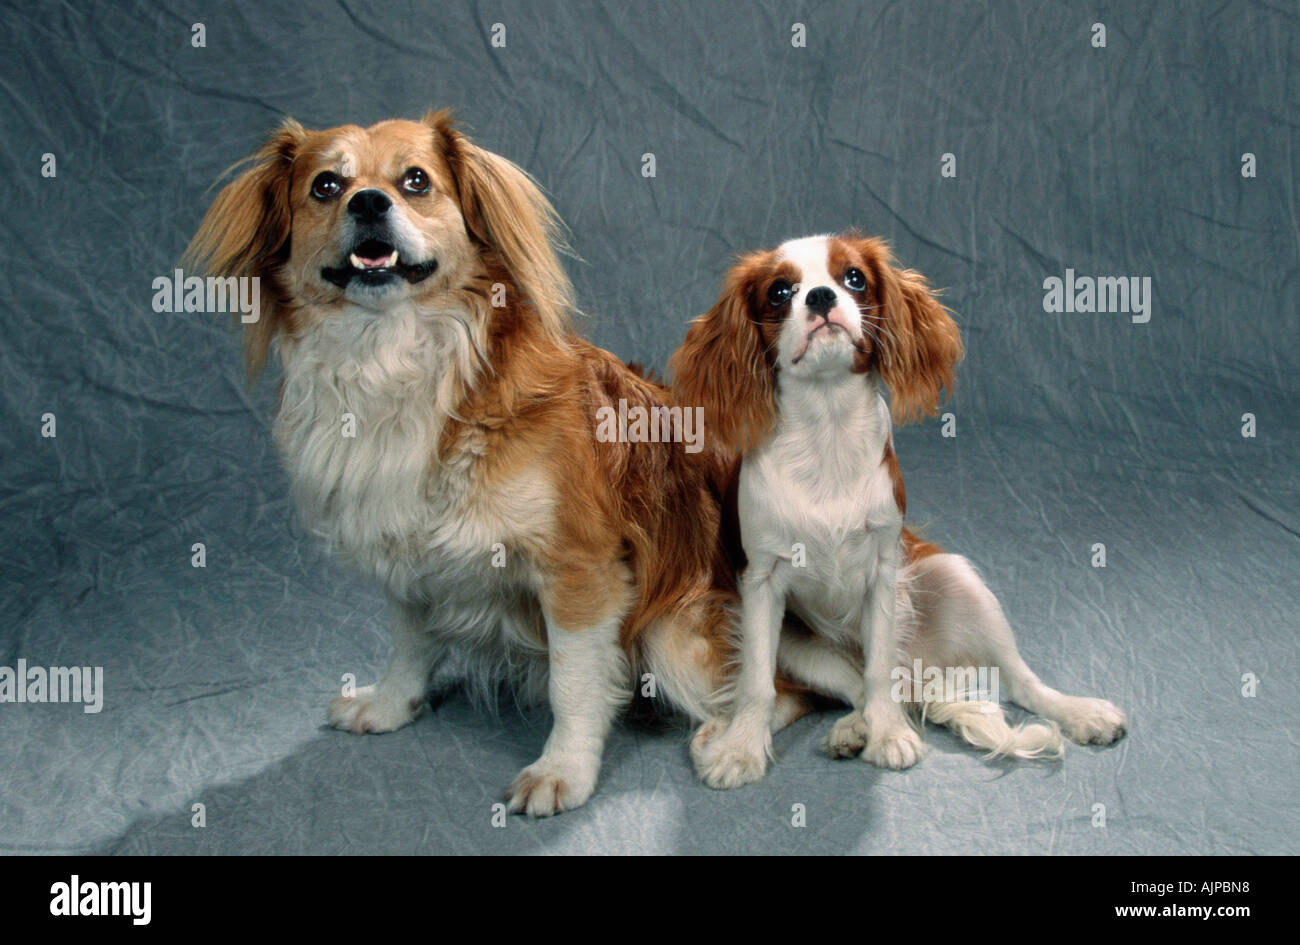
{"type": "Point", "coordinates": [326, 185]}
{"type": "Point", "coordinates": [854, 280]}
{"type": "Point", "coordinates": [415, 181]}
{"type": "Point", "coordinates": [779, 293]}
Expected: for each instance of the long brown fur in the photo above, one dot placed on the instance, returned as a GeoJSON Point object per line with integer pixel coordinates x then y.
{"type": "Point", "coordinates": [245, 233]}
{"type": "Point", "coordinates": [724, 364]}
{"type": "Point", "coordinates": [636, 519]}
{"type": "Point", "coordinates": [506, 210]}
{"type": "Point", "coordinates": [924, 345]}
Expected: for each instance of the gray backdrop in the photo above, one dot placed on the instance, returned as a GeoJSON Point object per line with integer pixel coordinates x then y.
{"type": "Point", "coordinates": [1072, 429]}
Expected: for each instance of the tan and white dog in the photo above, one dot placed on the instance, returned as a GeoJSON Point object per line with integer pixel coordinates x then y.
{"type": "Point", "coordinates": [791, 366]}
{"type": "Point", "coordinates": [438, 421]}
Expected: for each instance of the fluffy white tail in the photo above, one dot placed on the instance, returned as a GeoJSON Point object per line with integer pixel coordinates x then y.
{"type": "Point", "coordinates": [984, 725]}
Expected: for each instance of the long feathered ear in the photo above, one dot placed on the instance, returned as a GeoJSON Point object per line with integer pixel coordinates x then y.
{"type": "Point", "coordinates": [505, 209]}
{"type": "Point", "coordinates": [921, 344]}
{"type": "Point", "coordinates": [723, 367]}
{"type": "Point", "coordinates": [245, 233]}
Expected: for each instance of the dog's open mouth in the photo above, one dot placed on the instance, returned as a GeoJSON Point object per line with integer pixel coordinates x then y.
{"type": "Point", "coordinates": [375, 262]}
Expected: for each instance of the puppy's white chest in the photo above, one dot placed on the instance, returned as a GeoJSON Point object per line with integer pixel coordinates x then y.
{"type": "Point", "coordinates": [823, 507]}
{"type": "Point", "coordinates": [832, 544]}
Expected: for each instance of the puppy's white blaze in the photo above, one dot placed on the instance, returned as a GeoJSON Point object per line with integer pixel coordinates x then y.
{"type": "Point", "coordinates": [811, 255]}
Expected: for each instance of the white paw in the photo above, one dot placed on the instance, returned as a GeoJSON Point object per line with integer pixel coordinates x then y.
{"type": "Point", "coordinates": [548, 786]}
{"type": "Point", "coordinates": [1093, 721]}
{"type": "Point", "coordinates": [847, 737]}
{"type": "Point", "coordinates": [705, 734]}
{"type": "Point", "coordinates": [727, 756]}
{"type": "Point", "coordinates": [892, 743]}
{"type": "Point", "coordinates": [372, 710]}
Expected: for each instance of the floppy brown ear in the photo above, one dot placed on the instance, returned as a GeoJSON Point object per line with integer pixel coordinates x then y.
{"type": "Point", "coordinates": [505, 209]}
{"type": "Point", "coordinates": [245, 233]}
{"type": "Point", "coordinates": [722, 366]}
{"type": "Point", "coordinates": [920, 344]}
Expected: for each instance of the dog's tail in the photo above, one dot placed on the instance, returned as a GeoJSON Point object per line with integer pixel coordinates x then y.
{"type": "Point", "coordinates": [984, 725]}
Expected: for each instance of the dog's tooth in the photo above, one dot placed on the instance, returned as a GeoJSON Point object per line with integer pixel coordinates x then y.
{"type": "Point", "coordinates": [356, 261]}
{"type": "Point", "coordinates": [392, 260]}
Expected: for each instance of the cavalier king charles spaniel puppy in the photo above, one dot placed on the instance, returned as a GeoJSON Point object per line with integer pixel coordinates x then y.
{"type": "Point", "coordinates": [791, 366]}
{"type": "Point", "coordinates": [437, 417]}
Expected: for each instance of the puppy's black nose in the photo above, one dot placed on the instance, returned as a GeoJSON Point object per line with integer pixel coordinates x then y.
{"type": "Point", "coordinates": [821, 299]}
{"type": "Point", "coordinates": [369, 206]}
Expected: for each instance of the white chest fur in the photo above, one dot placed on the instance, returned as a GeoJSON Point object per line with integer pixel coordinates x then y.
{"type": "Point", "coordinates": [365, 398]}
{"type": "Point", "coordinates": [817, 499]}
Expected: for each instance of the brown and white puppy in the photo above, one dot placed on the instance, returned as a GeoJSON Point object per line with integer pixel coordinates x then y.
{"type": "Point", "coordinates": [791, 366]}
{"type": "Point", "coordinates": [438, 421]}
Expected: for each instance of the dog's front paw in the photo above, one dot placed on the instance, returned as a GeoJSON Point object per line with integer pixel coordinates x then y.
{"type": "Point", "coordinates": [705, 734]}
{"type": "Point", "coordinates": [847, 737]}
{"type": "Point", "coordinates": [547, 787]}
{"type": "Point", "coordinates": [727, 756]}
{"type": "Point", "coordinates": [372, 711]}
{"type": "Point", "coordinates": [892, 743]}
{"type": "Point", "coordinates": [1093, 721]}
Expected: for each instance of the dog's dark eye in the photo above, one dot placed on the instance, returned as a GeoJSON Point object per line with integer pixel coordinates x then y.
{"type": "Point", "coordinates": [415, 181]}
{"type": "Point", "coordinates": [779, 293]}
{"type": "Point", "coordinates": [326, 185]}
{"type": "Point", "coordinates": [854, 280]}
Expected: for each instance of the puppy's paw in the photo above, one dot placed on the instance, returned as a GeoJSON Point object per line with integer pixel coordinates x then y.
{"type": "Point", "coordinates": [548, 787]}
{"type": "Point", "coordinates": [892, 743]}
{"type": "Point", "coordinates": [372, 711]}
{"type": "Point", "coordinates": [1093, 721]}
{"type": "Point", "coordinates": [727, 756]}
{"type": "Point", "coordinates": [847, 737]}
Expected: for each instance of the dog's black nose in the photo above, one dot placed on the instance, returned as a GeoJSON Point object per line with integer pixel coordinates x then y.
{"type": "Point", "coordinates": [369, 205]}
{"type": "Point", "coordinates": [821, 299]}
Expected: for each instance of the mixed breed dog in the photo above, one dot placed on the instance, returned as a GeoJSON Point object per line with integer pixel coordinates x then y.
{"type": "Point", "coordinates": [410, 281]}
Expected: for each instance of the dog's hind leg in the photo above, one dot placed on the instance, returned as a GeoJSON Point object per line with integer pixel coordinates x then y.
{"type": "Point", "coordinates": [959, 622]}
{"type": "Point", "coordinates": [686, 658]}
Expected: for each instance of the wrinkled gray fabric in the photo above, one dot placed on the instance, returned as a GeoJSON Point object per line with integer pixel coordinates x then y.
{"type": "Point", "coordinates": [1072, 429]}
